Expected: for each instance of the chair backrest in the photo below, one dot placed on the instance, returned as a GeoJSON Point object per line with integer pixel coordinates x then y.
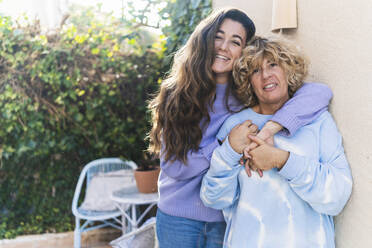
{"type": "Point", "coordinates": [105, 165]}
{"type": "Point", "coordinates": [96, 168]}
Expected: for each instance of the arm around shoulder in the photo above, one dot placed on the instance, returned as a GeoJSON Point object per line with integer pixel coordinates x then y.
{"type": "Point", "coordinates": [306, 105]}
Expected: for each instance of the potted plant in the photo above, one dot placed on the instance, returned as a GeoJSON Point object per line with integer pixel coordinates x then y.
{"type": "Point", "coordinates": [146, 175]}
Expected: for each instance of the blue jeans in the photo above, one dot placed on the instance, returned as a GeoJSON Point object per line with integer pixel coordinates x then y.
{"type": "Point", "coordinates": [178, 232]}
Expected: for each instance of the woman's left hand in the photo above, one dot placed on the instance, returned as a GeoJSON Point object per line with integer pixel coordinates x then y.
{"type": "Point", "coordinates": [265, 157]}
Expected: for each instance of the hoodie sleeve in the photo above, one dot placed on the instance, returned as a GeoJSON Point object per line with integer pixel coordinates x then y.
{"type": "Point", "coordinates": [325, 184]}
{"type": "Point", "coordinates": [220, 187]}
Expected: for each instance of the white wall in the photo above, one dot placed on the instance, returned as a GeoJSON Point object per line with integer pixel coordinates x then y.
{"type": "Point", "coordinates": [336, 35]}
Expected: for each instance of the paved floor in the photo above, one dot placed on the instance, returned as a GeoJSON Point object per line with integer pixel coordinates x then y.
{"type": "Point", "coordinates": [93, 239]}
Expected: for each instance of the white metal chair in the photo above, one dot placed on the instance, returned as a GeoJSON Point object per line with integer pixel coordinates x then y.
{"type": "Point", "coordinates": [109, 218]}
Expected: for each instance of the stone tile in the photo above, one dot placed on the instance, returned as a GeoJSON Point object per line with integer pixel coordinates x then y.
{"type": "Point", "coordinates": [93, 239]}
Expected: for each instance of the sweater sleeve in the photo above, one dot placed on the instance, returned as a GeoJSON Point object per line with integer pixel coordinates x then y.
{"type": "Point", "coordinates": [325, 184]}
{"type": "Point", "coordinates": [197, 163]}
{"type": "Point", "coordinates": [220, 187]}
{"type": "Point", "coordinates": [306, 105]}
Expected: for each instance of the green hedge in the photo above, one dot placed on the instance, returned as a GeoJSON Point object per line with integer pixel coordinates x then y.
{"type": "Point", "coordinates": [65, 100]}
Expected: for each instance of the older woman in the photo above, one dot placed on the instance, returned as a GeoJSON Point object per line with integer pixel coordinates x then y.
{"type": "Point", "coordinates": [306, 179]}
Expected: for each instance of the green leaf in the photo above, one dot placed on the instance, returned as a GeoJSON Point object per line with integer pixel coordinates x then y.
{"type": "Point", "coordinates": [79, 117]}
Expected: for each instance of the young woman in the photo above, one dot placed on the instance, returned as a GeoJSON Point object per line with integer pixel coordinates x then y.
{"type": "Point", "coordinates": [189, 109]}
{"type": "Point", "coordinates": [307, 178]}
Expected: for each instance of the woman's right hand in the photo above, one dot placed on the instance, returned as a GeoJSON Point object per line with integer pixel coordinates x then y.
{"type": "Point", "coordinates": [238, 137]}
{"type": "Point", "coordinates": [267, 134]}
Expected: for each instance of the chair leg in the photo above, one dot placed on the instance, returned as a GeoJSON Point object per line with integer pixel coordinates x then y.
{"type": "Point", "coordinates": [77, 234]}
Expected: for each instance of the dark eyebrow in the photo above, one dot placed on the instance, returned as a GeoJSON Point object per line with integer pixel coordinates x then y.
{"type": "Point", "coordinates": [235, 35]}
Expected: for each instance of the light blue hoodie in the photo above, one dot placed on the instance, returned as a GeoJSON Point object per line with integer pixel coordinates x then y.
{"type": "Point", "coordinates": [292, 207]}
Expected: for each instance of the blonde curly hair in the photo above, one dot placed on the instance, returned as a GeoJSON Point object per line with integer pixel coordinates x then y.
{"type": "Point", "coordinates": [277, 50]}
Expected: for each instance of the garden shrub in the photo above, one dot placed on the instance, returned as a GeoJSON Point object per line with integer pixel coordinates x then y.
{"type": "Point", "coordinates": [71, 97]}
{"type": "Point", "coordinates": [65, 100]}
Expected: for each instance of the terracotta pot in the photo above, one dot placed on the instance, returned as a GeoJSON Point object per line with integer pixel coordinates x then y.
{"type": "Point", "coordinates": [147, 181]}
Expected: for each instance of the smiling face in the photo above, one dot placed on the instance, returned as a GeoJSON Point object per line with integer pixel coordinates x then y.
{"type": "Point", "coordinates": [229, 42]}
{"type": "Point", "coordinates": [270, 85]}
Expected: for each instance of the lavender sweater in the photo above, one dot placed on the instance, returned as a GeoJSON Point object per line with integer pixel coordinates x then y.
{"type": "Point", "coordinates": [179, 183]}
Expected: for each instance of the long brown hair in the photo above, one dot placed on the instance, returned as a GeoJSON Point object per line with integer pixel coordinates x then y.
{"type": "Point", "coordinates": [189, 90]}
